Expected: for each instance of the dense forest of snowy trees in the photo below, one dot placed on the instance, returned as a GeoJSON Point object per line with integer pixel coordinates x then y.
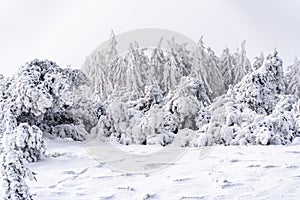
{"type": "Point", "coordinates": [146, 96]}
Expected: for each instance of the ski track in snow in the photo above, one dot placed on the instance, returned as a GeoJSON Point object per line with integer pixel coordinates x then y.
{"type": "Point", "coordinates": [228, 172]}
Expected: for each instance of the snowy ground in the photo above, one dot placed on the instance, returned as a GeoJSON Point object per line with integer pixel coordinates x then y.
{"type": "Point", "coordinates": [228, 172]}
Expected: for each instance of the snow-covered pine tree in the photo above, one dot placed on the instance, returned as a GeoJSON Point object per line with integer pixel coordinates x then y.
{"type": "Point", "coordinates": [226, 67]}
{"type": "Point", "coordinates": [111, 51]}
{"type": "Point", "coordinates": [97, 68]}
{"type": "Point", "coordinates": [243, 65]}
{"type": "Point", "coordinates": [169, 65]}
{"type": "Point", "coordinates": [180, 55]}
{"type": "Point", "coordinates": [259, 61]}
{"type": "Point", "coordinates": [137, 68]}
{"type": "Point", "coordinates": [157, 61]}
{"type": "Point", "coordinates": [130, 71]}
{"type": "Point", "coordinates": [292, 78]}
{"type": "Point", "coordinates": [205, 68]}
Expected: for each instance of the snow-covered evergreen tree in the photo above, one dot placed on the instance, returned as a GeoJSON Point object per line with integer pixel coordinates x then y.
{"type": "Point", "coordinates": [259, 61]}
{"type": "Point", "coordinates": [186, 102]}
{"type": "Point", "coordinates": [243, 65]}
{"type": "Point", "coordinates": [227, 68]}
{"type": "Point", "coordinates": [111, 51]}
{"type": "Point", "coordinates": [13, 166]}
{"type": "Point", "coordinates": [29, 141]}
{"type": "Point", "coordinates": [292, 78]}
{"type": "Point", "coordinates": [42, 94]}
{"type": "Point", "coordinates": [97, 66]}
{"type": "Point", "coordinates": [137, 68]}
{"type": "Point", "coordinates": [260, 88]}
{"type": "Point", "coordinates": [5, 83]}
{"type": "Point", "coordinates": [167, 66]}
{"type": "Point", "coordinates": [205, 68]}
{"type": "Point", "coordinates": [180, 55]}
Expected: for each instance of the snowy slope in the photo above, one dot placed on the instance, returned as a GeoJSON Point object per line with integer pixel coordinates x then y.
{"type": "Point", "coordinates": [228, 172]}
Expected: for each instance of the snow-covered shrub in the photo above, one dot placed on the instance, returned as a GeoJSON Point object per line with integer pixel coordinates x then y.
{"type": "Point", "coordinates": [115, 121]}
{"type": "Point", "coordinates": [296, 141]}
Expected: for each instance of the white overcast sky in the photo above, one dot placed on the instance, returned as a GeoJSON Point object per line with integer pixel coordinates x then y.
{"type": "Point", "coordinates": [66, 31]}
